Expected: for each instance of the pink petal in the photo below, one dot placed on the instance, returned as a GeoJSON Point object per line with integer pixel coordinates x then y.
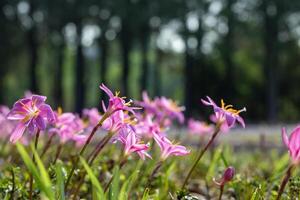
{"type": "Point", "coordinates": [285, 138]}
{"type": "Point", "coordinates": [17, 133]}
{"type": "Point", "coordinates": [47, 112]}
{"type": "Point", "coordinates": [40, 122]}
{"type": "Point", "coordinates": [38, 100]}
{"type": "Point", "coordinates": [106, 90]}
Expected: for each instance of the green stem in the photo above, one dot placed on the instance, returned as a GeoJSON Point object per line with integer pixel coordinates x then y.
{"type": "Point", "coordinates": [37, 135]}
{"type": "Point", "coordinates": [217, 130]}
{"type": "Point", "coordinates": [284, 181]}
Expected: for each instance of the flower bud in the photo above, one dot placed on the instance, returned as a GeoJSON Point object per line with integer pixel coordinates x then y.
{"type": "Point", "coordinates": [228, 174]}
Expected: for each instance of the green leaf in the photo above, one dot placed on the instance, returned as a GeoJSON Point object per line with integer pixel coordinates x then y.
{"type": "Point", "coordinates": [99, 191]}
{"type": "Point", "coordinates": [43, 183]}
{"type": "Point", "coordinates": [114, 187]}
{"type": "Point", "coordinates": [146, 194]}
{"type": "Point", "coordinates": [60, 181]}
{"type": "Point", "coordinates": [126, 187]}
{"type": "Point", "coordinates": [255, 195]}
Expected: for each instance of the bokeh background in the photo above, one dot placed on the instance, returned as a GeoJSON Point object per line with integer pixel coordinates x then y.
{"type": "Point", "coordinates": [245, 51]}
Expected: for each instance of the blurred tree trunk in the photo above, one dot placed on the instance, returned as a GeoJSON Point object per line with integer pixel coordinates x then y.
{"type": "Point", "coordinates": [188, 75]}
{"type": "Point", "coordinates": [157, 72]}
{"type": "Point", "coordinates": [126, 47]}
{"type": "Point", "coordinates": [80, 65]}
{"type": "Point", "coordinates": [103, 43]}
{"type": "Point", "coordinates": [33, 49]}
{"type": "Point", "coordinates": [3, 50]}
{"type": "Point", "coordinates": [228, 52]}
{"type": "Point", "coordinates": [145, 64]}
{"type": "Point", "coordinates": [270, 14]}
{"type": "Point", "coordinates": [58, 88]}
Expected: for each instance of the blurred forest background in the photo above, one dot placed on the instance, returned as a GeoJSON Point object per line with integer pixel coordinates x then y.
{"type": "Point", "coordinates": [245, 51]}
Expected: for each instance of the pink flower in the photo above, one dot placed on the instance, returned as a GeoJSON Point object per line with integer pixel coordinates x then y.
{"type": "Point", "coordinates": [227, 176]}
{"type": "Point", "coordinates": [116, 103]}
{"type": "Point", "coordinates": [69, 126]}
{"type": "Point", "coordinates": [169, 149]}
{"type": "Point", "coordinates": [199, 128]}
{"type": "Point", "coordinates": [147, 103]}
{"type": "Point", "coordinates": [6, 126]}
{"type": "Point", "coordinates": [162, 109]}
{"type": "Point", "coordinates": [224, 127]}
{"type": "Point", "coordinates": [116, 121]}
{"type": "Point", "coordinates": [170, 108]}
{"type": "Point", "coordinates": [32, 113]}
{"type": "Point", "coordinates": [92, 115]}
{"type": "Point", "coordinates": [132, 144]}
{"type": "Point", "coordinates": [147, 127]}
{"type": "Point", "coordinates": [225, 113]}
{"type": "Point", "coordinates": [293, 143]}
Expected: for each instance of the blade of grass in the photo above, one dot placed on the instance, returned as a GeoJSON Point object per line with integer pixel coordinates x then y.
{"type": "Point", "coordinates": [126, 187]}
{"type": "Point", "coordinates": [146, 194]}
{"type": "Point", "coordinates": [99, 190]}
{"type": "Point", "coordinates": [115, 184]}
{"type": "Point", "coordinates": [60, 188]}
{"type": "Point", "coordinates": [43, 183]}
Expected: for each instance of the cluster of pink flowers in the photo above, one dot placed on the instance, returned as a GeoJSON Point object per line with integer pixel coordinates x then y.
{"type": "Point", "coordinates": [69, 127]}
{"type": "Point", "coordinates": [163, 109]}
{"type": "Point", "coordinates": [197, 127]}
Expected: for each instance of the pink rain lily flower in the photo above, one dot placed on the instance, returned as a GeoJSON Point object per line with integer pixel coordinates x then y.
{"type": "Point", "coordinates": [92, 115]}
{"type": "Point", "coordinates": [292, 143]}
{"type": "Point", "coordinates": [169, 149]}
{"type": "Point", "coordinates": [6, 126]}
{"type": "Point", "coordinates": [199, 128]}
{"type": "Point", "coordinates": [69, 126]}
{"type": "Point", "coordinates": [117, 121]}
{"type": "Point", "coordinates": [147, 127]}
{"type": "Point", "coordinates": [170, 108]}
{"type": "Point", "coordinates": [225, 113]}
{"type": "Point", "coordinates": [31, 113]}
{"type": "Point", "coordinates": [164, 110]}
{"type": "Point", "coordinates": [147, 103]}
{"type": "Point", "coordinates": [132, 143]}
{"type": "Point", "coordinates": [116, 103]}
{"type": "Point", "coordinates": [224, 127]}
{"type": "Point", "coordinates": [227, 176]}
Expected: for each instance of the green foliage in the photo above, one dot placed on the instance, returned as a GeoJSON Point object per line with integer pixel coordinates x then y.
{"type": "Point", "coordinates": [39, 173]}
{"type": "Point", "coordinates": [96, 185]}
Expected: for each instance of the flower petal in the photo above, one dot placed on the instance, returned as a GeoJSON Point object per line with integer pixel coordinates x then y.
{"type": "Point", "coordinates": [40, 122]}
{"type": "Point", "coordinates": [17, 133]}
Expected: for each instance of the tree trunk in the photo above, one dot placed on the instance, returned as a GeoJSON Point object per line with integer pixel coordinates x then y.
{"type": "Point", "coordinates": [126, 46]}
{"type": "Point", "coordinates": [271, 57]}
{"type": "Point", "coordinates": [157, 85]}
{"type": "Point", "coordinates": [103, 62]}
{"type": "Point", "coordinates": [188, 75]}
{"type": "Point", "coordinates": [145, 64]}
{"type": "Point", "coordinates": [33, 48]}
{"type": "Point", "coordinates": [58, 88]}
{"type": "Point", "coordinates": [228, 52]}
{"type": "Point", "coordinates": [80, 64]}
